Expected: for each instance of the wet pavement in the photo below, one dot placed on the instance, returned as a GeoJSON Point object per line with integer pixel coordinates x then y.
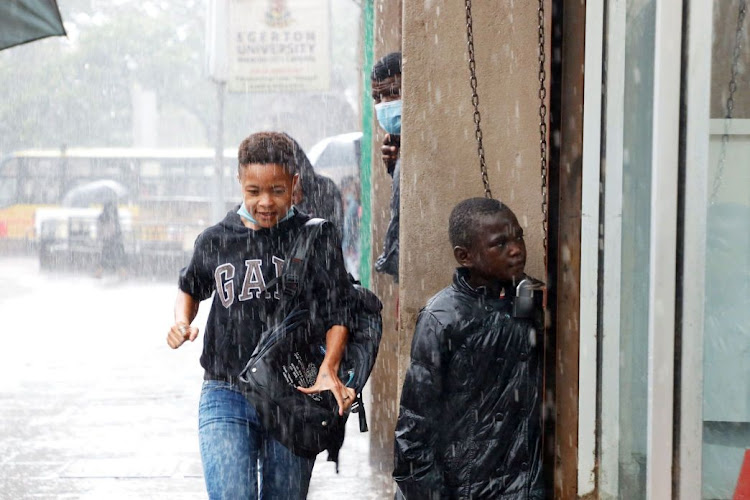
{"type": "Point", "coordinates": [94, 405]}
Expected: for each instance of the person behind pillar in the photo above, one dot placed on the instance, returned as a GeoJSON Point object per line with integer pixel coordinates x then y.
{"type": "Point", "coordinates": [386, 93]}
{"type": "Point", "coordinates": [316, 195]}
{"type": "Point", "coordinates": [233, 260]}
{"type": "Point", "coordinates": [469, 424]}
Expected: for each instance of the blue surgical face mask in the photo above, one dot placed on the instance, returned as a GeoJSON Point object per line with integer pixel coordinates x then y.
{"type": "Point", "coordinates": [242, 212]}
{"type": "Point", "coordinates": [389, 116]}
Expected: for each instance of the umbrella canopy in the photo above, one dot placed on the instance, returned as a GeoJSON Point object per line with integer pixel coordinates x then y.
{"type": "Point", "coordinates": [96, 192]}
{"type": "Point", "coordinates": [23, 21]}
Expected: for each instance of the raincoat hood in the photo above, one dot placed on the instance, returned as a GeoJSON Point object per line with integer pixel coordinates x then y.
{"type": "Point", "coordinates": [320, 195]}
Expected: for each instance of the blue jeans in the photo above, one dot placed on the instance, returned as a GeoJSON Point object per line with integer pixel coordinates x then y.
{"type": "Point", "coordinates": [240, 460]}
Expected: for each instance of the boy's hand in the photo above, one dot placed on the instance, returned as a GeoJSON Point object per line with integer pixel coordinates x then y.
{"type": "Point", "coordinates": [328, 380]}
{"type": "Point", "coordinates": [179, 333]}
{"type": "Point", "coordinates": [390, 151]}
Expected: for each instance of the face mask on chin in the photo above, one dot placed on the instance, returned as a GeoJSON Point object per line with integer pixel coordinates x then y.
{"type": "Point", "coordinates": [389, 116]}
{"type": "Point", "coordinates": [242, 212]}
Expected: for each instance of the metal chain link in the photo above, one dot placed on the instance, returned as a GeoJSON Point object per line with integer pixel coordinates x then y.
{"type": "Point", "coordinates": [542, 112]}
{"type": "Point", "coordinates": [475, 100]}
{"type": "Point", "coordinates": [730, 100]}
{"type": "Point", "coordinates": [543, 170]}
{"type": "Point", "coordinates": [543, 125]}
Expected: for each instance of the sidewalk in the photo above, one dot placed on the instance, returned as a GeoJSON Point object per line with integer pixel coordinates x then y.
{"type": "Point", "coordinates": [95, 406]}
{"type": "Point", "coordinates": [357, 478]}
{"type": "Point", "coordinates": [83, 453]}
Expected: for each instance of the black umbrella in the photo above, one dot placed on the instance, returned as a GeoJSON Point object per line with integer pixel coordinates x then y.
{"type": "Point", "coordinates": [23, 21]}
{"type": "Point", "coordinates": [96, 192]}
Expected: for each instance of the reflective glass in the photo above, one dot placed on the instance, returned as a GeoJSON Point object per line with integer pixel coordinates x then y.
{"type": "Point", "coordinates": [636, 214]}
{"type": "Point", "coordinates": [726, 367]}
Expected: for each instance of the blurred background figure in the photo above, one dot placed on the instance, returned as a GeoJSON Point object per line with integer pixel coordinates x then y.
{"type": "Point", "coordinates": [352, 213]}
{"type": "Point", "coordinates": [109, 234]}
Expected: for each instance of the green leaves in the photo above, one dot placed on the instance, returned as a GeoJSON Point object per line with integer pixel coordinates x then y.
{"type": "Point", "coordinates": [77, 91]}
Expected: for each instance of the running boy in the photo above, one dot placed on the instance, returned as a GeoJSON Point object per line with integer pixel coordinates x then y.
{"type": "Point", "coordinates": [234, 259]}
{"type": "Point", "coordinates": [469, 425]}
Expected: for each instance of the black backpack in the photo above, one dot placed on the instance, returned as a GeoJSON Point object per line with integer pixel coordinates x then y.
{"type": "Point", "coordinates": [292, 348]}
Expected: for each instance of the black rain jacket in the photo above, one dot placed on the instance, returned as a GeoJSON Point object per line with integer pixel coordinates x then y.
{"type": "Point", "coordinates": [469, 425]}
{"type": "Point", "coordinates": [387, 262]}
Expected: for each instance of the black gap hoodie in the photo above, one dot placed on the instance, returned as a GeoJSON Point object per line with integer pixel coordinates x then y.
{"type": "Point", "coordinates": [233, 262]}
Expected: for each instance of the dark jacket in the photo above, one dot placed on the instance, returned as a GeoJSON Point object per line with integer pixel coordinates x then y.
{"type": "Point", "coordinates": [470, 419]}
{"type": "Point", "coordinates": [236, 262]}
{"type": "Point", "coordinates": [387, 263]}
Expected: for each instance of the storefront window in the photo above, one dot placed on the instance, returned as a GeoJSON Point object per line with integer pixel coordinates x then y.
{"type": "Point", "coordinates": [675, 395]}
{"type": "Point", "coordinates": [726, 347]}
{"type": "Point", "coordinates": [636, 194]}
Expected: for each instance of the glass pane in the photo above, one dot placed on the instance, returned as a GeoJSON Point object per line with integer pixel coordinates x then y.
{"type": "Point", "coordinates": [726, 370]}
{"type": "Point", "coordinates": [623, 449]}
{"type": "Point", "coordinates": [637, 134]}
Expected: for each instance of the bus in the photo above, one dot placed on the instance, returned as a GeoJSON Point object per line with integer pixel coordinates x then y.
{"type": "Point", "coordinates": [49, 200]}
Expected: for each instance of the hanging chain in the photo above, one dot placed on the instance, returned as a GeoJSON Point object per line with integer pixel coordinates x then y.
{"type": "Point", "coordinates": [543, 124]}
{"type": "Point", "coordinates": [730, 100]}
{"type": "Point", "coordinates": [543, 168]}
{"type": "Point", "coordinates": [475, 100]}
{"type": "Point", "coordinates": [542, 111]}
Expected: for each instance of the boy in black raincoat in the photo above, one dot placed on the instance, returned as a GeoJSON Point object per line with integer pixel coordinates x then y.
{"type": "Point", "coordinates": [469, 425]}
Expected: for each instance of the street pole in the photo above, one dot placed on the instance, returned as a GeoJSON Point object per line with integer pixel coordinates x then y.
{"type": "Point", "coordinates": [217, 201]}
{"type": "Point", "coordinates": [365, 162]}
{"type": "Point", "coordinates": [217, 66]}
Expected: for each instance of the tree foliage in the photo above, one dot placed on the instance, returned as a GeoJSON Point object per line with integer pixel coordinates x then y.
{"type": "Point", "coordinates": [77, 91]}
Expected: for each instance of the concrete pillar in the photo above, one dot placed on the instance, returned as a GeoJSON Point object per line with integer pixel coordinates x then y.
{"type": "Point", "coordinates": [384, 379]}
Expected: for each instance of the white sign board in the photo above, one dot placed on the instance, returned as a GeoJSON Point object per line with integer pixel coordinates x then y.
{"type": "Point", "coordinates": [279, 46]}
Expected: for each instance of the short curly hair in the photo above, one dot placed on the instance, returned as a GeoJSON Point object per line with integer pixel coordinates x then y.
{"type": "Point", "coordinates": [268, 148]}
{"type": "Point", "coordinates": [464, 219]}
{"type": "Point", "coordinates": [387, 66]}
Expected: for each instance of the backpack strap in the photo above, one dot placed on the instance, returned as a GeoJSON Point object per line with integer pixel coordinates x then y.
{"type": "Point", "coordinates": [295, 263]}
{"type": "Point", "coordinates": [361, 411]}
